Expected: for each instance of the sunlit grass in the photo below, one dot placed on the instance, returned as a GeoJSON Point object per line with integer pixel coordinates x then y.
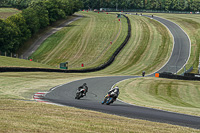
{"type": "Point", "coordinates": [172, 95]}
{"type": "Point", "coordinates": [85, 41]}
{"type": "Point", "coordinates": [6, 12]}
{"type": "Point", "coordinates": [15, 62]}
{"type": "Point", "coordinates": [21, 116]}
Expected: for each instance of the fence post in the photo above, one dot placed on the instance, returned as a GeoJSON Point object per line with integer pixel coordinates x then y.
{"type": "Point", "coordinates": [5, 53]}
{"type": "Point", "coordinates": [199, 65]}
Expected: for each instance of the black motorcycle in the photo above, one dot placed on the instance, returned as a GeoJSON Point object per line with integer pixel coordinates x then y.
{"type": "Point", "coordinates": [80, 94]}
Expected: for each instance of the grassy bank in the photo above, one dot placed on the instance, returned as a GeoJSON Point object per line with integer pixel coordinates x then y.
{"type": "Point", "coordinates": [84, 41]}
{"type": "Point", "coordinates": [15, 62]}
{"type": "Point", "coordinates": [166, 94]}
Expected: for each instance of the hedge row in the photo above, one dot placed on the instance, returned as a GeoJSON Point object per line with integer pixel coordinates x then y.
{"type": "Point", "coordinates": [109, 62]}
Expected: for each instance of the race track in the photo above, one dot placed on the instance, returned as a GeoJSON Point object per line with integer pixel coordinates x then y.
{"type": "Point", "coordinates": [98, 87]}
{"type": "Point", "coordinates": [181, 50]}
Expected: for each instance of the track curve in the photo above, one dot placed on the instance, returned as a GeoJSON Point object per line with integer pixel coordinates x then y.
{"type": "Point", "coordinates": [99, 86]}
{"type": "Point", "coordinates": [182, 45]}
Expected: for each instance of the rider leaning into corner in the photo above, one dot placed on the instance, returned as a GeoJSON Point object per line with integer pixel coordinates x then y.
{"type": "Point", "coordinates": [114, 92]}
{"type": "Point", "coordinates": [84, 86]}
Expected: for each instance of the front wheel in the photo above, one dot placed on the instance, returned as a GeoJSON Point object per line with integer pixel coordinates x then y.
{"type": "Point", "coordinates": [109, 101]}
{"type": "Point", "coordinates": [78, 96]}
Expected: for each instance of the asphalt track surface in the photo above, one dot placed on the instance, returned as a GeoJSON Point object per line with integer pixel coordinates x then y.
{"type": "Point", "coordinates": [98, 87]}
{"type": "Point", "coordinates": [181, 50]}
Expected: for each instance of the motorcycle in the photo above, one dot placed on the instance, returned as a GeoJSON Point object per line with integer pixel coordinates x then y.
{"type": "Point", "coordinates": [80, 93]}
{"type": "Point", "coordinates": [108, 99]}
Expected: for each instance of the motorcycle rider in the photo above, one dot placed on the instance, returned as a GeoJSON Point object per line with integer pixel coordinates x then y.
{"type": "Point", "coordinates": [143, 73]}
{"type": "Point", "coordinates": [84, 86]}
{"type": "Point", "coordinates": [114, 92]}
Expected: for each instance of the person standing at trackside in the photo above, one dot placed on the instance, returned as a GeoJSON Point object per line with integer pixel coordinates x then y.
{"type": "Point", "coordinates": [143, 73]}
{"type": "Point", "coordinates": [84, 86]}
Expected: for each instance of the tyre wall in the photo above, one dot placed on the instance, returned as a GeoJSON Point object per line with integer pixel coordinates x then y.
{"type": "Point", "coordinates": [186, 76]}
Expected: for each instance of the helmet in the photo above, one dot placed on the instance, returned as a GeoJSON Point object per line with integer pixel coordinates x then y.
{"type": "Point", "coordinates": [116, 87]}
{"type": "Point", "coordinates": [84, 84]}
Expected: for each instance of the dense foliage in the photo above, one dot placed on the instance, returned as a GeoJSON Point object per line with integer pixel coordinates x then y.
{"type": "Point", "coordinates": [35, 15]}
{"type": "Point", "coordinates": [167, 5]}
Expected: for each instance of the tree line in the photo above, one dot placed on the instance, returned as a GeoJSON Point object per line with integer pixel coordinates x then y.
{"type": "Point", "coordinates": [35, 15]}
{"type": "Point", "coordinates": [164, 5]}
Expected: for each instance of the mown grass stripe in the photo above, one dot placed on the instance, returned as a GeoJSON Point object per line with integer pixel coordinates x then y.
{"type": "Point", "coordinates": [165, 94]}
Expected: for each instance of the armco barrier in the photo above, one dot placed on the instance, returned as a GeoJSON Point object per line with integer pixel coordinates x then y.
{"type": "Point", "coordinates": [109, 62]}
{"type": "Point", "coordinates": [186, 76]}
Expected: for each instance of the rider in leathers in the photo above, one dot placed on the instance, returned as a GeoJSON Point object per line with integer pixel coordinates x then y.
{"type": "Point", "coordinates": [84, 86]}
{"type": "Point", "coordinates": [114, 92]}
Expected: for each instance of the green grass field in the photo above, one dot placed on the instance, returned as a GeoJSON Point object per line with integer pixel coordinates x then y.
{"type": "Point", "coordinates": [6, 12]}
{"type": "Point", "coordinates": [36, 117]}
{"type": "Point", "coordinates": [15, 62]}
{"type": "Point", "coordinates": [85, 41]}
{"type": "Point", "coordinates": [166, 94]}
{"type": "Point", "coordinates": [150, 46]}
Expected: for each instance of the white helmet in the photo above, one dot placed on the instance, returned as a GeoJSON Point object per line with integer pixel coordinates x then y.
{"type": "Point", "coordinates": [117, 87]}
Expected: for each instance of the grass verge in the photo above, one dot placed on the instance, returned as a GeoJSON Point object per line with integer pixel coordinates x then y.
{"type": "Point", "coordinates": [166, 94]}
{"type": "Point", "coordinates": [15, 62]}
{"type": "Point", "coordinates": [37, 117]}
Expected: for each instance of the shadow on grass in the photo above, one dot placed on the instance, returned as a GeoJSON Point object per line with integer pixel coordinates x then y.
{"type": "Point", "coordinates": [71, 25]}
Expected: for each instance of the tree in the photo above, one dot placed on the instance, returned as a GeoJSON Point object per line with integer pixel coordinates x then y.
{"type": "Point", "coordinates": [54, 12]}
{"type": "Point", "coordinates": [167, 5]}
{"type": "Point", "coordinates": [10, 36]}
{"type": "Point", "coordinates": [2, 38]}
{"type": "Point", "coordinates": [42, 13]}
{"type": "Point", "coordinates": [32, 19]}
{"type": "Point", "coordinates": [23, 32]}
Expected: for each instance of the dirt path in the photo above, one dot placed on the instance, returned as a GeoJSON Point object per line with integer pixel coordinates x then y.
{"type": "Point", "coordinates": [41, 39]}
